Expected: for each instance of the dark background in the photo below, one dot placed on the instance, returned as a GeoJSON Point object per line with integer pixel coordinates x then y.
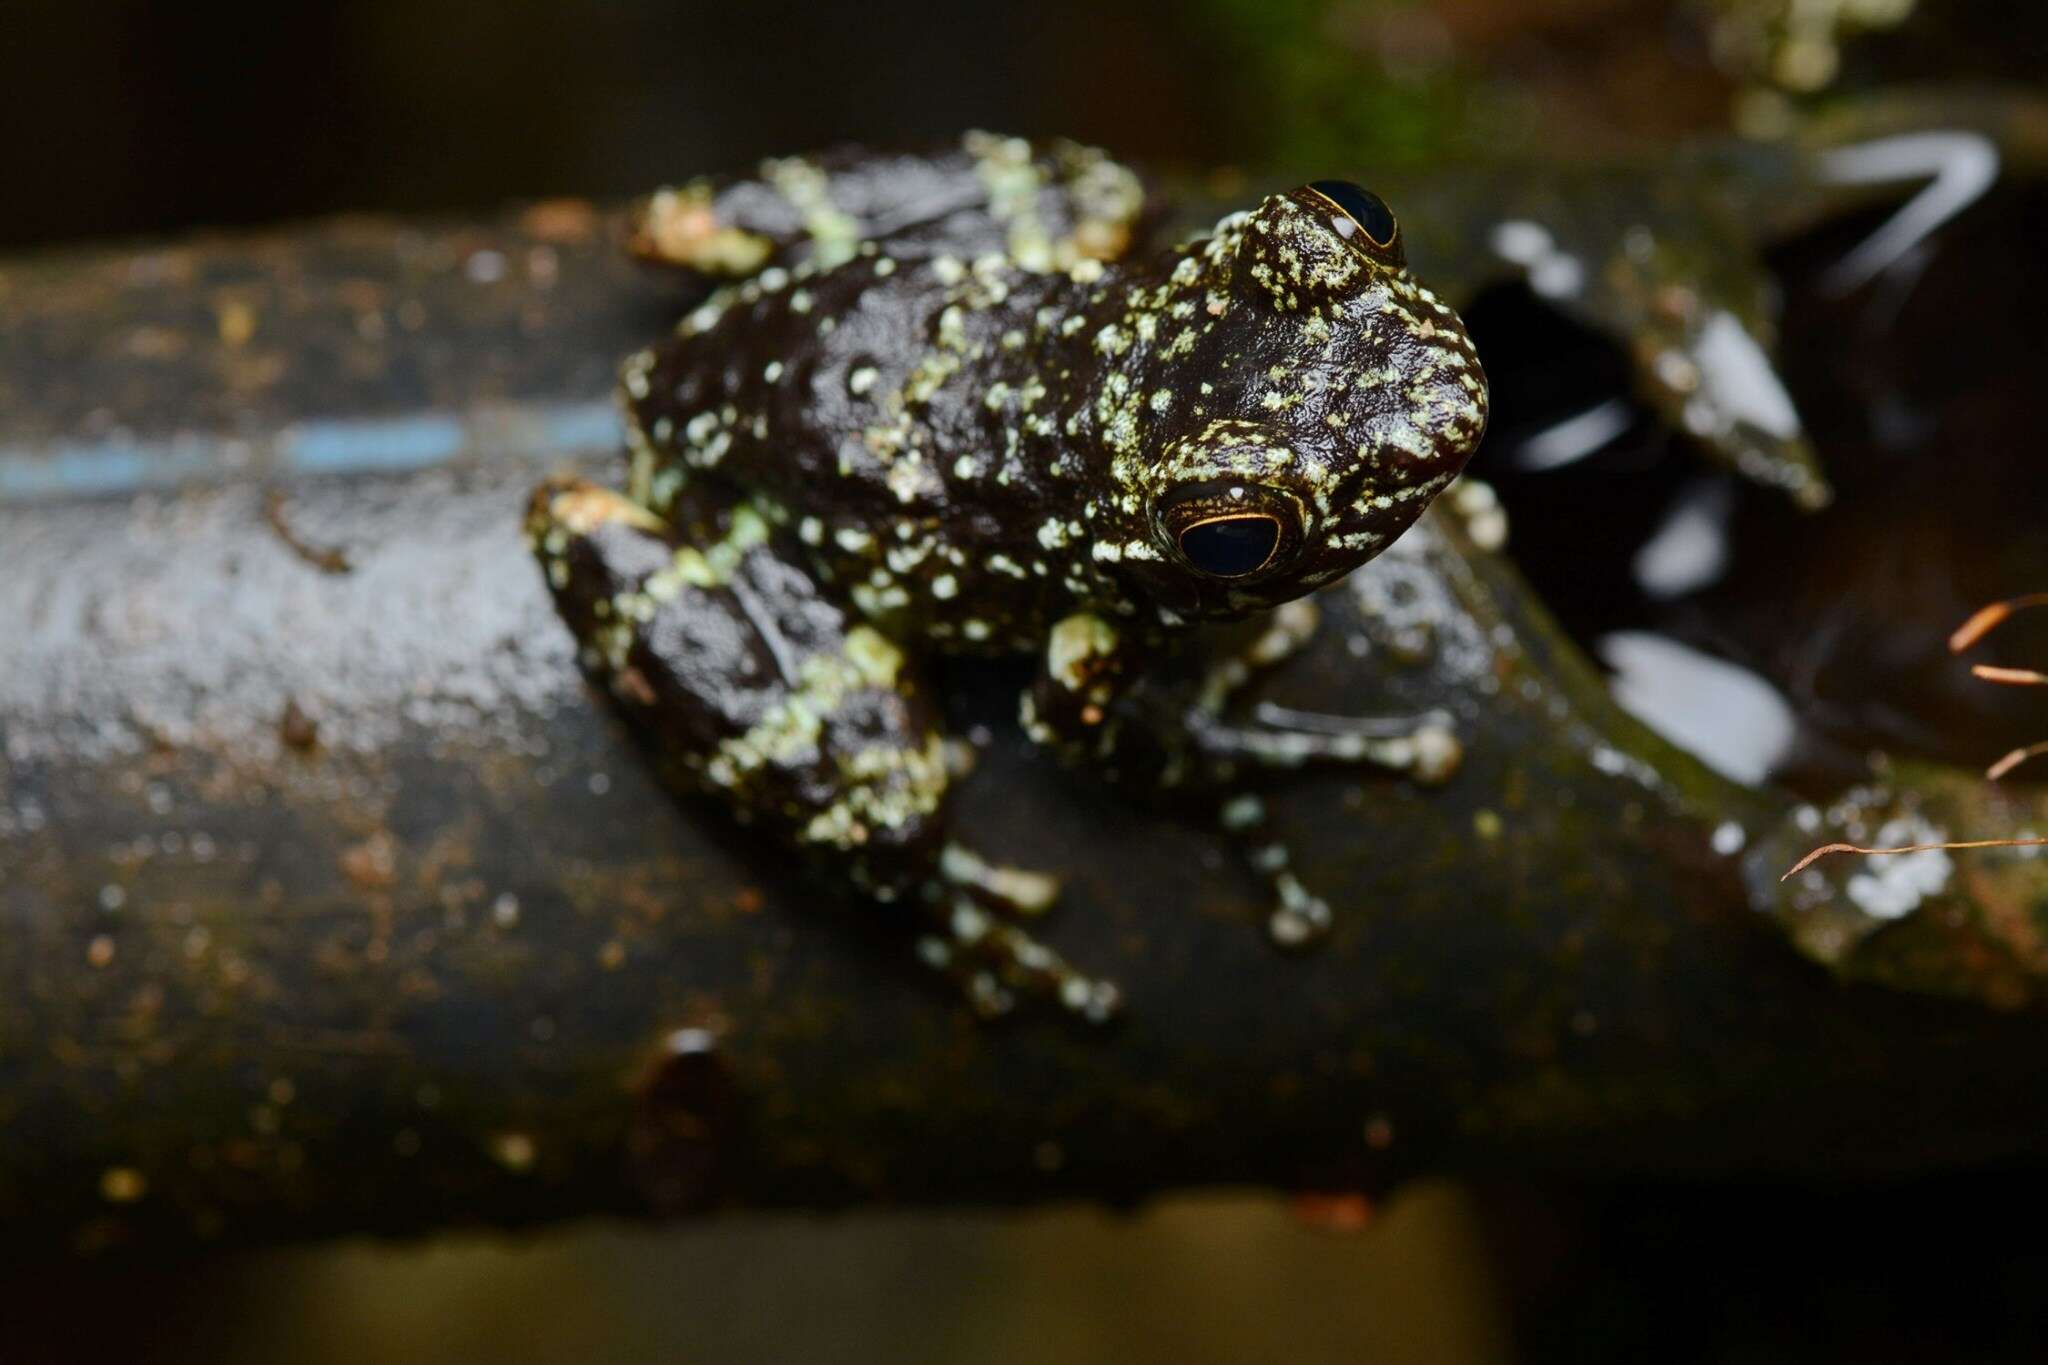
{"type": "Point", "coordinates": [134, 117]}
{"type": "Point", "coordinates": [131, 116]}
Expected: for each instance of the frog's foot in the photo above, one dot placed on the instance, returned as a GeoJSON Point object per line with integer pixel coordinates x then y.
{"type": "Point", "coordinates": [996, 963]}
{"type": "Point", "coordinates": [680, 228]}
{"type": "Point", "coordinates": [1017, 890]}
{"type": "Point", "coordinates": [1046, 205]}
{"type": "Point", "coordinates": [1424, 747]}
{"type": "Point", "coordinates": [1299, 918]}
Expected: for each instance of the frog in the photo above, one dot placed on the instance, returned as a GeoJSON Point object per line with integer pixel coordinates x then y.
{"type": "Point", "coordinates": [968, 401]}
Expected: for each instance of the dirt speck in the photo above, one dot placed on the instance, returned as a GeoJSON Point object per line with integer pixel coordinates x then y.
{"type": "Point", "coordinates": [328, 559]}
{"type": "Point", "coordinates": [372, 864]}
{"type": "Point", "coordinates": [297, 728]}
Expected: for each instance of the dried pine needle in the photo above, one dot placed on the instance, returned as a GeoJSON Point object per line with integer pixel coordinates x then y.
{"type": "Point", "coordinates": [1981, 623]}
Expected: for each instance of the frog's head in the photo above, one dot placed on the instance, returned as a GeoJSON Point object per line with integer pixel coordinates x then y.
{"type": "Point", "coordinates": [1308, 424]}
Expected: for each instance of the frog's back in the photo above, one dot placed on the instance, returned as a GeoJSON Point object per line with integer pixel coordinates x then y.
{"type": "Point", "coordinates": [894, 413]}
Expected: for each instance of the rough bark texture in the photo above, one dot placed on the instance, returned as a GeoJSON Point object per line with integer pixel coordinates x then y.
{"type": "Point", "coordinates": [333, 901]}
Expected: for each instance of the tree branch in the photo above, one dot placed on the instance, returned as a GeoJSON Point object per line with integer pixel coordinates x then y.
{"type": "Point", "coordinates": [332, 900]}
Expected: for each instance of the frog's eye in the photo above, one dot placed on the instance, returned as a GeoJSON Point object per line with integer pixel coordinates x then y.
{"type": "Point", "coordinates": [1231, 547]}
{"type": "Point", "coordinates": [1360, 210]}
{"type": "Point", "coordinates": [1229, 529]}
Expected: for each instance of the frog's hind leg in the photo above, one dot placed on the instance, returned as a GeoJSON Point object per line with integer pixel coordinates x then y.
{"type": "Point", "coordinates": [750, 684]}
{"type": "Point", "coordinates": [1047, 205]}
{"type": "Point", "coordinates": [992, 959]}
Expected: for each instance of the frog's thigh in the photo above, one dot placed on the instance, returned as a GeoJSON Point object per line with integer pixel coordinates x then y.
{"type": "Point", "coordinates": [748, 682]}
{"type": "Point", "coordinates": [751, 684]}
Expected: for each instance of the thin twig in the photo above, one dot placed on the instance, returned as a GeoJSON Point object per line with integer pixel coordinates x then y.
{"type": "Point", "coordinates": [1987, 619]}
{"type": "Point", "coordinates": [327, 559]}
{"type": "Point", "coordinates": [1981, 623]}
{"type": "Point", "coordinates": [1820, 853]}
{"type": "Point", "coordinates": [2023, 677]}
{"type": "Point", "coordinates": [2014, 759]}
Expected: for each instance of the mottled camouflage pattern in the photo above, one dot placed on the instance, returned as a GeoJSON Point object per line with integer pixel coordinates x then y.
{"type": "Point", "coordinates": [956, 434]}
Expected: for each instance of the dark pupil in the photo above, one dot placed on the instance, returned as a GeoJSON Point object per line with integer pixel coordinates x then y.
{"type": "Point", "coordinates": [1230, 547]}
{"type": "Point", "coordinates": [1367, 209]}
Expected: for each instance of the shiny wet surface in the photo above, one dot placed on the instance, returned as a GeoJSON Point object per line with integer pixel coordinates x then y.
{"type": "Point", "coordinates": [1803, 641]}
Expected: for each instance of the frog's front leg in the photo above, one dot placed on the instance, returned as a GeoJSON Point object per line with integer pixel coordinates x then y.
{"type": "Point", "coordinates": [1090, 705]}
{"type": "Point", "coordinates": [749, 683]}
{"type": "Point", "coordinates": [1422, 747]}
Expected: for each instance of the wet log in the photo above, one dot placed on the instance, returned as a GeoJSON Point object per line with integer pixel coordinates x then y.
{"type": "Point", "coordinates": [331, 899]}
